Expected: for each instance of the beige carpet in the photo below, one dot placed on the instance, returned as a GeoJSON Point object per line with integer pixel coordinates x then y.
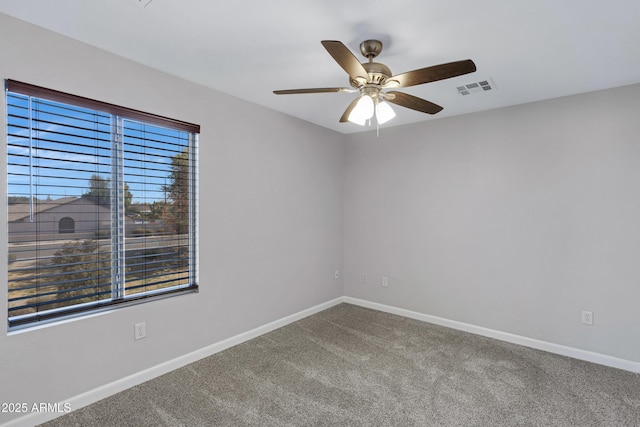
{"type": "Point", "coordinates": [351, 366]}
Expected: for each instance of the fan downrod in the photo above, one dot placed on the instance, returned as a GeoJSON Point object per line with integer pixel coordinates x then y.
{"type": "Point", "coordinates": [377, 72]}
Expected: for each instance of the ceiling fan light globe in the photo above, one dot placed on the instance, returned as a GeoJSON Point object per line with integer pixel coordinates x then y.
{"type": "Point", "coordinates": [357, 121]}
{"type": "Point", "coordinates": [384, 112]}
{"type": "Point", "coordinates": [363, 111]}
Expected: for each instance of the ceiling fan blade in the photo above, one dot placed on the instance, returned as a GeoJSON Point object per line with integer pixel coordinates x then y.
{"type": "Point", "coordinates": [345, 115]}
{"type": "Point", "coordinates": [434, 73]}
{"type": "Point", "coordinates": [313, 90]}
{"type": "Point", "coordinates": [412, 102]}
{"type": "Point", "coordinates": [346, 59]}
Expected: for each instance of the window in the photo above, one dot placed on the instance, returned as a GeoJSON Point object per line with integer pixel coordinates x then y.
{"type": "Point", "coordinates": [66, 225]}
{"type": "Point", "coordinates": [102, 205]}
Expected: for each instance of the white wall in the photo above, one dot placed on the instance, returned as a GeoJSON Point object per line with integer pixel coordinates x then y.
{"type": "Point", "coordinates": [270, 223]}
{"type": "Point", "coordinates": [514, 219]}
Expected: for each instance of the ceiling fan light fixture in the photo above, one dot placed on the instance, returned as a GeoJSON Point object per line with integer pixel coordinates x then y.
{"type": "Point", "coordinates": [363, 111]}
{"type": "Point", "coordinates": [384, 112]}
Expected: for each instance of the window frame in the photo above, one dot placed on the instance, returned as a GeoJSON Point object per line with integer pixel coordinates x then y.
{"type": "Point", "coordinates": [119, 114]}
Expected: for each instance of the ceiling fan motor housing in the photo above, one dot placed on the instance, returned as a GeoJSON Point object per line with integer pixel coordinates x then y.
{"type": "Point", "coordinates": [378, 73]}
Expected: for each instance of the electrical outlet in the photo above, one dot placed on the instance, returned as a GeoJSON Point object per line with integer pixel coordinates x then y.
{"type": "Point", "coordinates": [336, 274]}
{"type": "Point", "coordinates": [587, 317]}
{"type": "Point", "coordinates": [364, 278]}
{"type": "Point", "coordinates": [385, 281]}
{"type": "Point", "coordinates": [139, 331]}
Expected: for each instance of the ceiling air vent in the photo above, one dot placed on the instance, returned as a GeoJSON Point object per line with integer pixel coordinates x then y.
{"type": "Point", "coordinates": [476, 87]}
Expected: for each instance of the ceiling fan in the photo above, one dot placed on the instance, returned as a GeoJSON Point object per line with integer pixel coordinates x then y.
{"type": "Point", "coordinates": [373, 79]}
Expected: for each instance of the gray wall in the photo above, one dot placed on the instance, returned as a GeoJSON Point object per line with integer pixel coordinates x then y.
{"type": "Point", "coordinates": [270, 229]}
{"type": "Point", "coordinates": [514, 219]}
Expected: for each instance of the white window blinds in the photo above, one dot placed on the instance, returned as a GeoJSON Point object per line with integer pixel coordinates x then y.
{"type": "Point", "coordinates": [102, 205]}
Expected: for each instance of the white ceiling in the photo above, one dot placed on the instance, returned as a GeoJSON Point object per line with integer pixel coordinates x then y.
{"type": "Point", "coordinates": [531, 49]}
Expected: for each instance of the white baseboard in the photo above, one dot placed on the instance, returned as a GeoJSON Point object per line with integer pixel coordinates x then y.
{"type": "Point", "coordinates": [601, 359]}
{"type": "Point", "coordinates": [122, 384]}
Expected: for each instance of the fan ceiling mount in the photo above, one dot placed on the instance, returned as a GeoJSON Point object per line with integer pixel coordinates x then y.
{"type": "Point", "coordinates": [373, 79]}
